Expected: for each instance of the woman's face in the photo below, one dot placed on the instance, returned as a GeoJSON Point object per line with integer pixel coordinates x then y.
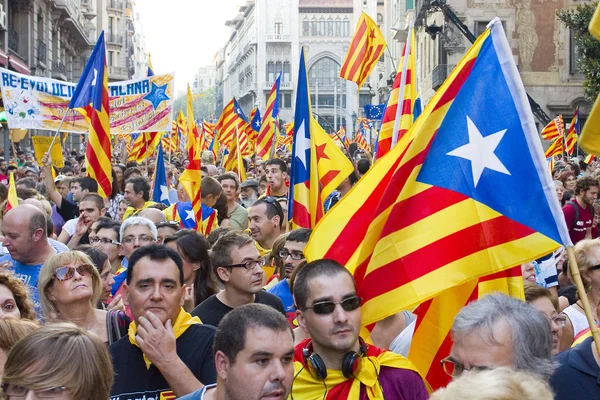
{"type": "Point", "coordinates": [528, 271]}
{"type": "Point", "coordinates": [119, 174]}
{"type": "Point", "coordinates": [560, 190]}
{"type": "Point", "coordinates": [570, 183]}
{"type": "Point", "coordinates": [107, 280]}
{"type": "Point", "coordinates": [76, 286]}
{"type": "Point", "coordinates": [122, 209]}
{"type": "Point", "coordinates": [8, 304]}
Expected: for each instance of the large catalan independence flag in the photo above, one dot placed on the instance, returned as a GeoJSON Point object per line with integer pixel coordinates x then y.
{"type": "Point", "coordinates": [464, 194]}
{"type": "Point", "coordinates": [91, 100]}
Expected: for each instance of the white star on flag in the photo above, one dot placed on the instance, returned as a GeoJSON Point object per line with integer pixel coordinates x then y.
{"type": "Point", "coordinates": [480, 151]}
{"type": "Point", "coordinates": [164, 193]}
{"type": "Point", "coordinates": [95, 77]}
{"type": "Point", "coordinates": [190, 215]}
{"type": "Point", "coordinates": [302, 145]}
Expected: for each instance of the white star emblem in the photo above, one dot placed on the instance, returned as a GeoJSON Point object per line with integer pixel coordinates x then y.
{"type": "Point", "coordinates": [302, 144]}
{"type": "Point", "coordinates": [190, 215]}
{"type": "Point", "coordinates": [164, 193]}
{"type": "Point", "coordinates": [95, 77]}
{"type": "Point", "coordinates": [480, 151]}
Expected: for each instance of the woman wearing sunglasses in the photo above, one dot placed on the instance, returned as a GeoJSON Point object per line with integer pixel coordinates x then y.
{"type": "Point", "coordinates": [70, 288]}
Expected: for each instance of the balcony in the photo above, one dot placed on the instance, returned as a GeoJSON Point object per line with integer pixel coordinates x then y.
{"type": "Point", "coordinates": [13, 40]}
{"type": "Point", "coordinates": [114, 39]}
{"type": "Point", "coordinates": [59, 71]}
{"type": "Point", "coordinates": [118, 73]}
{"type": "Point", "coordinates": [439, 75]}
{"type": "Point", "coordinates": [41, 52]}
{"type": "Point", "coordinates": [72, 15]}
{"type": "Point", "coordinates": [278, 38]}
{"type": "Point", "coordinates": [282, 85]}
{"type": "Point", "coordinates": [115, 5]}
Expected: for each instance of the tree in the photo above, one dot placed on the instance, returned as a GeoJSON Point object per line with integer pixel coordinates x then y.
{"type": "Point", "coordinates": [577, 20]}
{"type": "Point", "coordinates": [203, 104]}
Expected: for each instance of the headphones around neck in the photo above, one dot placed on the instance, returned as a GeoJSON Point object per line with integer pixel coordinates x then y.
{"type": "Point", "coordinates": [350, 362]}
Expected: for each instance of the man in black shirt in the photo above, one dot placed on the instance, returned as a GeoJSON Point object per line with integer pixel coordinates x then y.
{"type": "Point", "coordinates": [167, 353]}
{"type": "Point", "coordinates": [237, 264]}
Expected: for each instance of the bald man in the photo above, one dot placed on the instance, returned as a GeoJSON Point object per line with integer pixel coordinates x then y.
{"type": "Point", "coordinates": [45, 208]}
{"type": "Point", "coordinates": [153, 214]}
{"type": "Point", "coordinates": [26, 240]}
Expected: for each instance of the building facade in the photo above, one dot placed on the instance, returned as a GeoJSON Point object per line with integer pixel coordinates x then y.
{"type": "Point", "coordinates": [204, 78]}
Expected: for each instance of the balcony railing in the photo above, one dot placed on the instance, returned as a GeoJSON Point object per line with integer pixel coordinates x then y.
{"type": "Point", "coordinates": [59, 70]}
{"type": "Point", "coordinates": [119, 73]}
{"type": "Point", "coordinates": [278, 38]}
{"type": "Point", "coordinates": [41, 51]}
{"type": "Point", "coordinates": [115, 5]}
{"type": "Point", "coordinates": [112, 38]}
{"type": "Point", "coordinates": [13, 39]}
{"type": "Point", "coordinates": [439, 75]}
{"type": "Point", "coordinates": [282, 85]}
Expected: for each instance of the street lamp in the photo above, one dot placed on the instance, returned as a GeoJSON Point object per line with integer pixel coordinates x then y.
{"type": "Point", "coordinates": [353, 122]}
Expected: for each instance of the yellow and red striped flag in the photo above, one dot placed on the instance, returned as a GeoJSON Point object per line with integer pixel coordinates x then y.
{"type": "Point", "coordinates": [231, 117]}
{"type": "Point", "coordinates": [168, 142]}
{"type": "Point", "coordinates": [144, 146]}
{"type": "Point", "coordinates": [234, 161]}
{"type": "Point", "coordinates": [268, 128]}
{"type": "Point", "coordinates": [209, 130]}
{"type": "Point", "coordinates": [253, 128]}
{"type": "Point", "coordinates": [367, 46]}
{"type": "Point", "coordinates": [12, 200]}
{"type": "Point", "coordinates": [360, 140]}
{"type": "Point", "coordinates": [555, 148]}
{"type": "Point", "coordinates": [399, 115]}
{"type": "Point", "coordinates": [424, 219]}
{"type": "Point", "coordinates": [573, 133]}
{"type": "Point", "coordinates": [589, 158]}
{"type": "Point", "coordinates": [91, 100]}
{"type": "Point", "coordinates": [554, 129]}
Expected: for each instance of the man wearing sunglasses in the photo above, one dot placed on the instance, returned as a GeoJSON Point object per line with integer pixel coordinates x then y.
{"type": "Point", "coordinates": [292, 256]}
{"type": "Point", "coordinates": [335, 362]}
{"type": "Point", "coordinates": [238, 266]}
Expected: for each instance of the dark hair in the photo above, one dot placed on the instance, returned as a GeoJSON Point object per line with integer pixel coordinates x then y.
{"type": "Point", "coordinates": [220, 253]}
{"type": "Point", "coordinates": [230, 338]}
{"type": "Point", "coordinates": [28, 183]}
{"type": "Point", "coordinates": [221, 208]}
{"type": "Point", "coordinates": [25, 193]}
{"type": "Point", "coordinates": [97, 256]}
{"type": "Point", "coordinates": [107, 223]}
{"type": "Point", "coordinates": [363, 166]}
{"type": "Point", "coordinates": [277, 161]}
{"type": "Point", "coordinates": [87, 183]}
{"type": "Point", "coordinates": [565, 175]}
{"type": "Point", "coordinates": [263, 178]}
{"type": "Point", "coordinates": [193, 247]}
{"type": "Point", "coordinates": [138, 185]}
{"type": "Point", "coordinates": [155, 252]}
{"type": "Point", "coordinates": [313, 270]}
{"type": "Point", "coordinates": [121, 187]}
{"type": "Point", "coordinates": [210, 185]}
{"type": "Point", "coordinates": [575, 168]}
{"type": "Point", "coordinates": [94, 197]}
{"type": "Point", "coordinates": [585, 183]}
{"type": "Point", "coordinates": [352, 147]}
{"type": "Point", "coordinates": [130, 171]}
{"type": "Point", "coordinates": [215, 235]}
{"type": "Point", "coordinates": [64, 170]}
{"type": "Point", "coordinates": [231, 176]}
{"type": "Point", "coordinates": [299, 235]}
{"type": "Point", "coordinates": [271, 201]}
{"type": "Point", "coordinates": [38, 221]}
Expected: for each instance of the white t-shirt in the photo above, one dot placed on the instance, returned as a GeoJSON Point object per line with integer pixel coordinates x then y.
{"type": "Point", "coordinates": [70, 225]}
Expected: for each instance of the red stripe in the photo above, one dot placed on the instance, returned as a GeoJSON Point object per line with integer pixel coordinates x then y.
{"type": "Point", "coordinates": [355, 42]}
{"type": "Point", "coordinates": [374, 57]}
{"type": "Point", "coordinates": [509, 273]}
{"type": "Point", "coordinates": [329, 176]}
{"type": "Point", "coordinates": [456, 84]}
{"type": "Point", "coordinates": [301, 216]}
{"type": "Point", "coordinates": [358, 62]}
{"type": "Point", "coordinates": [429, 258]}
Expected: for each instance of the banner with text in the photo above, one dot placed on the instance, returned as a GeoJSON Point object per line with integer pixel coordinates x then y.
{"type": "Point", "coordinates": [142, 105]}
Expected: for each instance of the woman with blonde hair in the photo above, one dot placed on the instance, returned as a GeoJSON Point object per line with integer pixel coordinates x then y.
{"type": "Point", "coordinates": [58, 361]}
{"type": "Point", "coordinates": [11, 331]}
{"type": "Point", "coordinates": [69, 288]}
{"type": "Point", "coordinates": [495, 384]}
{"type": "Point", "coordinates": [15, 301]}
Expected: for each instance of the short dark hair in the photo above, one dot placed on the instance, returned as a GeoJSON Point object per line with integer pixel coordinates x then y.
{"type": "Point", "coordinates": [363, 166]}
{"type": "Point", "coordinates": [130, 171]}
{"type": "Point", "coordinates": [97, 256]}
{"type": "Point", "coordinates": [87, 183]}
{"type": "Point", "coordinates": [29, 183]}
{"type": "Point", "coordinates": [585, 183]}
{"type": "Point", "coordinates": [231, 176]}
{"type": "Point", "coordinates": [210, 185]}
{"type": "Point", "coordinates": [215, 235]}
{"type": "Point", "coordinates": [108, 223]}
{"type": "Point", "coordinates": [66, 169]}
{"type": "Point", "coordinates": [277, 161]}
{"type": "Point", "coordinates": [230, 338]}
{"type": "Point", "coordinates": [138, 185]}
{"type": "Point", "coordinates": [311, 270]}
{"type": "Point", "coordinates": [272, 209]}
{"type": "Point", "coordinates": [38, 221]}
{"type": "Point", "coordinates": [299, 235]}
{"type": "Point", "coordinates": [155, 252]}
{"type": "Point", "coordinates": [94, 197]}
{"type": "Point", "coordinates": [220, 253]}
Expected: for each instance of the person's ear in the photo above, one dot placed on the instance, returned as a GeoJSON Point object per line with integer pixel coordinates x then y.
{"type": "Point", "coordinates": [103, 212]}
{"type": "Point", "coordinates": [224, 274]}
{"type": "Point", "coordinates": [125, 294]}
{"type": "Point", "coordinates": [183, 290]}
{"type": "Point", "coordinates": [301, 320]}
{"type": "Point", "coordinates": [221, 364]}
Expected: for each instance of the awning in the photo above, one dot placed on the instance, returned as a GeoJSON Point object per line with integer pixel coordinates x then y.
{"type": "Point", "coordinates": [3, 59]}
{"type": "Point", "coordinates": [18, 65]}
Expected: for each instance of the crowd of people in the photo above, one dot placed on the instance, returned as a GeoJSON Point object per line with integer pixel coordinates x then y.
{"type": "Point", "coordinates": [123, 298]}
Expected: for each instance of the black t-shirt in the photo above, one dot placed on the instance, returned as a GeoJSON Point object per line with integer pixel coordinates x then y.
{"type": "Point", "coordinates": [212, 310]}
{"type": "Point", "coordinates": [67, 210]}
{"type": "Point", "coordinates": [134, 381]}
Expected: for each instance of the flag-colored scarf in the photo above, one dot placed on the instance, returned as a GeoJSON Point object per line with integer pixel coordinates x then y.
{"type": "Point", "coordinates": [182, 323]}
{"type": "Point", "coordinates": [307, 387]}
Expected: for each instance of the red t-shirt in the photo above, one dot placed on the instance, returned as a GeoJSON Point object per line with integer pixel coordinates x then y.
{"type": "Point", "coordinates": [578, 230]}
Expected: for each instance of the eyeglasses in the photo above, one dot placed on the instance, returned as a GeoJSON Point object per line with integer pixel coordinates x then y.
{"type": "Point", "coordinates": [66, 273]}
{"type": "Point", "coordinates": [296, 255]}
{"type": "Point", "coordinates": [327, 307]}
{"type": "Point", "coordinates": [96, 240]}
{"type": "Point", "coordinates": [560, 320]}
{"type": "Point", "coordinates": [249, 265]}
{"type": "Point", "coordinates": [455, 369]}
{"type": "Point", "coordinates": [16, 391]}
{"type": "Point", "coordinates": [142, 239]}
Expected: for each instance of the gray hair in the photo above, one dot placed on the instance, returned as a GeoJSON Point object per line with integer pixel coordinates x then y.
{"type": "Point", "coordinates": [134, 221]}
{"type": "Point", "coordinates": [530, 330]}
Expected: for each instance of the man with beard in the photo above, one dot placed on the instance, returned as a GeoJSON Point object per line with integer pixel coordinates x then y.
{"type": "Point", "coordinates": [249, 192]}
{"type": "Point", "coordinates": [254, 348]}
{"type": "Point", "coordinates": [579, 213]}
{"type": "Point", "coordinates": [3, 171]}
{"type": "Point", "coordinates": [292, 256]}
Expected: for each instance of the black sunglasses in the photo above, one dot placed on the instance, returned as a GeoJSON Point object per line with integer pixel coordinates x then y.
{"type": "Point", "coordinates": [595, 267]}
{"type": "Point", "coordinates": [273, 201]}
{"type": "Point", "coordinates": [327, 307]}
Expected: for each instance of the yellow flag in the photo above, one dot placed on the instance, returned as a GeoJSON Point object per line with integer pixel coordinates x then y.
{"type": "Point", "coordinates": [12, 200]}
{"type": "Point", "coordinates": [41, 145]}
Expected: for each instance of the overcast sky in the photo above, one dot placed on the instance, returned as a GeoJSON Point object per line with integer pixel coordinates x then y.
{"type": "Point", "coordinates": [183, 35]}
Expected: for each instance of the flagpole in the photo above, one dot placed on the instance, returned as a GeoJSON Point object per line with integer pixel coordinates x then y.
{"type": "Point", "coordinates": [170, 147]}
{"type": "Point", "coordinates": [58, 130]}
{"type": "Point", "coordinates": [583, 296]}
{"type": "Point", "coordinates": [274, 141]}
{"type": "Point", "coordinates": [239, 153]}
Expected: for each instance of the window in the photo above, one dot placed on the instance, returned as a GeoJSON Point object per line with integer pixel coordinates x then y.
{"type": "Point", "coordinates": [574, 55]}
{"type": "Point", "coordinates": [111, 58]}
{"type": "Point", "coordinates": [287, 100]}
{"type": "Point", "coordinates": [324, 73]}
{"type": "Point", "coordinates": [329, 26]}
{"type": "Point", "coordinates": [338, 27]}
{"type": "Point", "coordinates": [287, 75]}
{"type": "Point", "coordinates": [270, 72]}
{"type": "Point", "coordinates": [480, 27]}
{"type": "Point", "coordinates": [111, 25]}
{"type": "Point", "coordinates": [278, 29]}
{"type": "Point", "coordinates": [364, 99]}
{"type": "Point", "coordinates": [314, 29]}
{"type": "Point", "coordinates": [278, 67]}
{"type": "Point", "coordinates": [345, 27]}
{"type": "Point", "coordinates": [305, 27]}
